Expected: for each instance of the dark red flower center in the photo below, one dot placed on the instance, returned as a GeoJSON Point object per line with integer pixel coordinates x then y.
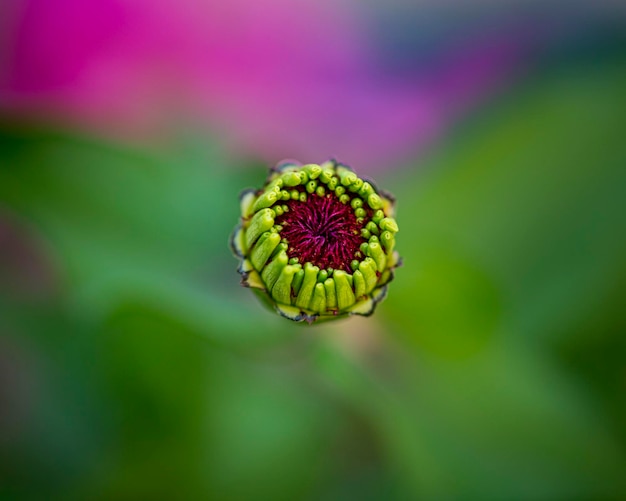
{"type": "Point", "coordinates": [322, 231]}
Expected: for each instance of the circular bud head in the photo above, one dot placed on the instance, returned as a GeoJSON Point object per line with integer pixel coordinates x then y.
{"type": "Point", "coordinates": [307, 242]}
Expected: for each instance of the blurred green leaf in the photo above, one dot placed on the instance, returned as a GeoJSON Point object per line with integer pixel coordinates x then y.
{"type": "Point", "coordinates": [125, 226]}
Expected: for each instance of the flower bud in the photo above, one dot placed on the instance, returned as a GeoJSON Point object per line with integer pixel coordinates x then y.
{"type": "Point", "coordinates": [307, 242]}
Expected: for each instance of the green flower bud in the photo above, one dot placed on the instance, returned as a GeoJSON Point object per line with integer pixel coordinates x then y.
{"type": "Point", "coordinates": [317, 242]}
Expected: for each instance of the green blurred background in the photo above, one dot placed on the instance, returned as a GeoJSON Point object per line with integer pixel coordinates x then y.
{"type": "Point", "coordinates": [134, 366]}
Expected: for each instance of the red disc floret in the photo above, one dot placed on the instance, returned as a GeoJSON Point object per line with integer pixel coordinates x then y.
{"type": "Point", "coordinates": [322, 231]}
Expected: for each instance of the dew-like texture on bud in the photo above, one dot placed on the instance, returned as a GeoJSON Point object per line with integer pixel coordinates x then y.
{"type": "Point", "coordinates": [317, 242]}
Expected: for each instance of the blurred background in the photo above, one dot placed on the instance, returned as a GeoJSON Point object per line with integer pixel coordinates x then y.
{"type": "Point", "coordinates": [134, 366]}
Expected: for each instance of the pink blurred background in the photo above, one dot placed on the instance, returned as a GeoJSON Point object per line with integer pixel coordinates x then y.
{"type": "Point", "coordinates": [271, 79]}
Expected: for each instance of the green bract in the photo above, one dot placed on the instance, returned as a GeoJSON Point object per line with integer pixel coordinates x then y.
{"type": "Point", "coordinates": [317, 242]}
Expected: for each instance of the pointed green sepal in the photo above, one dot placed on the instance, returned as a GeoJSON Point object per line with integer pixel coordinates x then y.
{"type": "Point", "coordinates": [347, 176]}
{"type": "Point", "coordinates": [359, 284]}
{"type": "Point", "coordinates": [331, 294]}
{"type": "Point", "coordinates": [291, 179]}
{"type": "Point", "coordinates": [364, 308]}
{"type": "Point", "coordinates": [378, 255]}
{"type": "Point", "coordinates": [380, 294]}
{"type": "Point", "coordinates": [345, 295]}
{"type": "Point", "coordinates": [365, 249]}
{"type": "Point", "coordinates": [297, 281]}
{"type": "Point", "coordinates": [246, 200]}
{"type": "Point", "coordinates": [272, 271]}
{"type": "Point", "coordinates": [373, 228]}
{"type": "Point", "coordinates": [266, 200]}
{"type": "Point", "coordinates": [263, 249]}
{"type": "Point", "coordinates": [322, 276]}
{"type": "Point", "coordinates": [385, 277]}
{"type": "Point", "coordinates": [290, 312]}
{"type": "Point", "coordinates": [312, 170]}
{"type": "Point", "coordinates": [389, 224]}
{"type": "Point", "coordinates": [326, 175]}
{"type": "Point", "coordinates": [245, 266]}
{"type": "Point", "coordinates": [394, 260]}
{"type": "Point", "coordinates": [388, 241]}
{"type": "Point", "coordinates": [366, 190]}
{"type": "Point", "coordinates": [276, 184]}
{"type": "Point", "coordinates": [253, 280]}
{"type": "Point", "coordinates": [318, 303]}
{"type": "Point", "coordinates": [378, 216]}
{"type": "Point", "coordinates": [261, 222]}
{"type": "Point", "coordinates": [281, 291]}
{"type": "Point", "coordinates": [281, 247]}
{"type": "Point", "coordinates": [237, 242]}
{"type": "Point", "coordinates": [356, 186]}
{"type": "Point", "coordinates": [308, 284]}
{"type": "Point", "coordinates": [374, 201]}
{"type": "Point", "coordinates": [368, 268]}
